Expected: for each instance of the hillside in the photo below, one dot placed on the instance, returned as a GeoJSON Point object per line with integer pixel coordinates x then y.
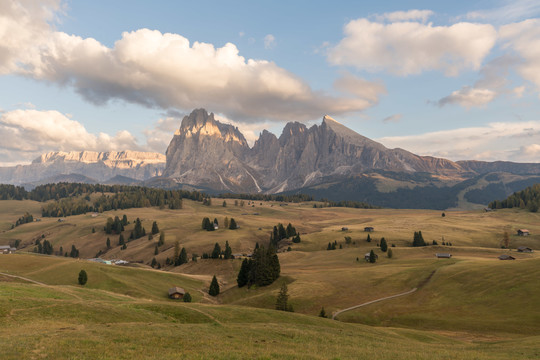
{"type": "Point", "coordinates": [40, 320]}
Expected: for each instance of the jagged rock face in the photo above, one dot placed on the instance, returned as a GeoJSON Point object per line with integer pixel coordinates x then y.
{"type": "Point", "coordinates": [99, 166]}
{"type": "Point", "coordinates": [209, 153]}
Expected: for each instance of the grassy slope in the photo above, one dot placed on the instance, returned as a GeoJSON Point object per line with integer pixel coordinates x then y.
{"type": "Point", "coordinates": [453, 301]}
{"type": "Point", "coordinates": [49, 323]}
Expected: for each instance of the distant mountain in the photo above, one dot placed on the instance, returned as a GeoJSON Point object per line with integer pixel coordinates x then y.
{"type": "Point", "coordinates": [98, 166]}
{"type": "Point", "coordinates": [327, 160]}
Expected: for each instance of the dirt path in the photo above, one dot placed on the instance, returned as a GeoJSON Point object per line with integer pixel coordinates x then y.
{"type": "Point", "coordinates": [335, 314]}
{"type": "Point", "coordinates": [25, 279]}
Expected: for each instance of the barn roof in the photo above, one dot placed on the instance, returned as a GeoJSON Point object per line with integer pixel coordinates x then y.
{"type": "Point", "coordinates": [175, 290]}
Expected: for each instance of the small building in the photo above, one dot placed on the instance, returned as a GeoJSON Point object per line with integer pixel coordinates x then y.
{"type": "Point", "coordinates": [506, 257]}
{"type": "Point", "coordinates": [176, 293]}
{"type": "Point", "coordinates": [344, 228]}
{"type": "Point", "coordinates": [216, 226]}
{"type": "Point", "coordinates": [369, 229]}
{"type": "Point", "coordinates": [6, 249]}
{"type": "Point", "coordinates": [524, 249]}
{"type": "Point", "coordinates": [366, 256]}
{"type": "Point", "coordinates": [523, 232]}
{"type": "Point", "coordinates": [443, 255]}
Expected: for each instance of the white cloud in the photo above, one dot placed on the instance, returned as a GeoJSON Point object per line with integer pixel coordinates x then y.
{"type": "Point", "coordinates": [405, 48]}
{"type": "Point", "coordinates": [159, 136]}
{"type": "Point", "coordinates": [409, 15]}
{"type": "Point", "coordinates": [494, 141]}
{"type": "Point", "coordinates": [27, 134]}
{"type": "Point", "coordinates": [393, 118]}
{"type": "Point", "coordinates": [468, 97]}
{"type": "Point", "coordinates": [269, 42]}
{"type": "Point", "coordinates": [524, 39]}
{"type": "Point", "coordinates": [513, 10]}
{"type": "Point", "coordinates": [166, 71]}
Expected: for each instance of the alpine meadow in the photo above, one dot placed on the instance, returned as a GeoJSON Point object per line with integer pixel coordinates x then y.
{"type": "Point", "coordinates": [268, 180]}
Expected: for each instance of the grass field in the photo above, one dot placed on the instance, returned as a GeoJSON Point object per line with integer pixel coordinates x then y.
{"type": "Point", "coordinates": [470, 306]}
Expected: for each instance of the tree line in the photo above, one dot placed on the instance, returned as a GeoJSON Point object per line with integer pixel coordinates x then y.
{"type": "Point", "coordinates": [528, 198]}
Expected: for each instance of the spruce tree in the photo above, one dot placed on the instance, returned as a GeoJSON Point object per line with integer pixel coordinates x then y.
{"type": "Point", "coordinates": [161, 240]}
{"type": "Point", "coordinates": [156, 250]}
{"type": "Point", "coordinates": [232, 224]}
{"type": "Point", "coordinates": [153, 263]}
{"type": "Point", "coordinates": [183, 259]}
{"type": "Point", "coordinates": [216, 252]}
{"type": "Point", "coordinates": [228, 251]}
{"type": "Point", "coordinates": [372, 257]}
{"type": "Point", "coordinates": [155, 228]}
{"type": "Point", "coordinates": [224, 203]}
{"type": "Point", "coordinates": [214, 287]}
{"type": "Point", "coordinates": [368, 238]}
{"type": "Point", "coordinates": [121, 240]}
{"type": "Point", "coordinates": [282, 298]}
{"type": "Point", "coordinates": [322, 313]}
{"type": "Point", "coordinates": [243, 275]}
{"type": "Point", "coordinates": [187, 297]}
{"type": "Point", "coordinates": [389, 253]}
{"type": "Point", "coordinates": [384, 245]}
{"type": "Point", "coordinates": [108, 244]}
{"type": "Point", "coordinates": [83, 277]}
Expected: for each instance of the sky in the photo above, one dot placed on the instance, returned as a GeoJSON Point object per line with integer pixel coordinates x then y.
{"type": "Point", "coordinates": [459, 80]}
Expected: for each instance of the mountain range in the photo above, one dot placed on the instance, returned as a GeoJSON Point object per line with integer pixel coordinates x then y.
{"type": "Point", "coordinates": [328, 161]}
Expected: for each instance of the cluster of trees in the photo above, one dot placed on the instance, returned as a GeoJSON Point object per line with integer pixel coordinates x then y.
{"type": "Point", "coordinates": [11, 192]}
{"type": "Point", "coordinates": [418, 239]}
{"type": "Point", "coordinates": [43, 248]}
{"type": "Point", "coordinates": [262, 269]}
{"type": "Point", "coordinates": [115, 226]}
{"type": "Point", "coordinates": [280, 232]}
{"type": "Point", "coordinates": [212, 225]}
{"type": "Point", "coordinates": [333, 245]}
{"type": "Point", "coordinates": [296, 198]}
{"type": "Point", "coordinates": [25, 219]}
{"type": "Point", "coordinates": [218, 253]}
{"type": "Point", "coordinates": [528, 198]}
{"type": "Point", "coordinates": [345, 203]}
{"type": "Point", "coordinates": [68, 200]}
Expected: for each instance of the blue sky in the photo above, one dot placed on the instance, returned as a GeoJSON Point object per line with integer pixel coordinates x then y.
{"type": "Point", "coordinates": [459, 80]}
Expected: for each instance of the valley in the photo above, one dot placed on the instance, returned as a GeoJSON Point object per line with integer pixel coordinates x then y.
{"type": "Point", "coordinates": [471, 305]}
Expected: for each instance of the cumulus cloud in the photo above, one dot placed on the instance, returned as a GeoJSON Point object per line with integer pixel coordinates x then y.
{"type": "Point", "coordinates": [159, 136]}
{"type": "Point", "coordinates": [269, 42]}
{"type": "Point", "coordinates": [494, 141]}
{"type": "Point", "coordinates": [405, 48]}
{"type": "Point", "coordinates": [468, 97]}
{"type": "Point", "coordinates": [27, 134]}
{"type": "Point", "coordinates": [409, 15]}
{"type": "Point", "coordinates": [524, 39]}
{"type": "Point", "coordinates": [165, 71]}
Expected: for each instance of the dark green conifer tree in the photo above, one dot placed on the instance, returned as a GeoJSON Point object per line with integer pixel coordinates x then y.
{"type": "Point", "coordinates": [155, 228]}
{"type": "Point", "coordinates": [214, 287]}
{"type": "Point", "coordinates": [282, 298]}
{"type": "Point", "coordinates": [372, 257]}
{"type": "Point", "coordinates": [232, 224]}
{"type": "Point", "coordinates": [83, 277]}
{"type": "Point", "coordinates": [384, 245]}
{"type": "Point", "coordinates": [216, 252]}
{"type": "Point", "coordinates": [228, 251]}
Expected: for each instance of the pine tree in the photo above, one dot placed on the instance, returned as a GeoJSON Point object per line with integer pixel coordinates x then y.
{"type": "Point", "coordinates": [384, 245]}
{"type": "Point", "coordinates": [124, 220]}
{"type": "Point", "coordinates": [214, 287]}
{"type": "Point", "coordinates": [121, 240]}
{"type": "Point", "coordinates": [389, 253]}
{"type": "Point", "coordinates": [187, 297]}
{"type": "Point", "coordinates": [153, 263]}
{"type": "Point", "coordinates": [156, 250]}
{"type": "Point", "coordinates": [243, 274]}
{"type": "Point", "coordinates": [182, 258]}
{"type": "Point", "coordinates": [108, 244]}
{"type": "Point", "coordinates": [281, 232]}
{"type": "Point", "coordinates": [176, 252]}
{"type": "Point", "coordinates": [138, 230]}
{"type": "Point", "coordinates": [161, 240]}
{"type": "Point", "coordinates": [155, 228]}
{"type": "Point", "coordinates": [228, 251]}
{"type": "Point", "coordinates": [216, 252]}
{"type": "Point", "coordinates": [368, 238]}
{"type": "Point", "coordinates": [232, 224]}
{"type": "Point", "coordinates": [282, 298]}
{"type": "Point", "coordinates": [372, 257]}
{"type": "Point", "coordinates": [224, 203]}
{"type": "Point", "coordinates": [322, 313]}
{"type": "Point", "coordinates": [83, 277]}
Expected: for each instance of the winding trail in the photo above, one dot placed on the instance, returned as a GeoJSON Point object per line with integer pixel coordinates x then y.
{"type": "Point", "coordinates": [335, 314]}
{"type": "Point", "coordinates": [23, 278]}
